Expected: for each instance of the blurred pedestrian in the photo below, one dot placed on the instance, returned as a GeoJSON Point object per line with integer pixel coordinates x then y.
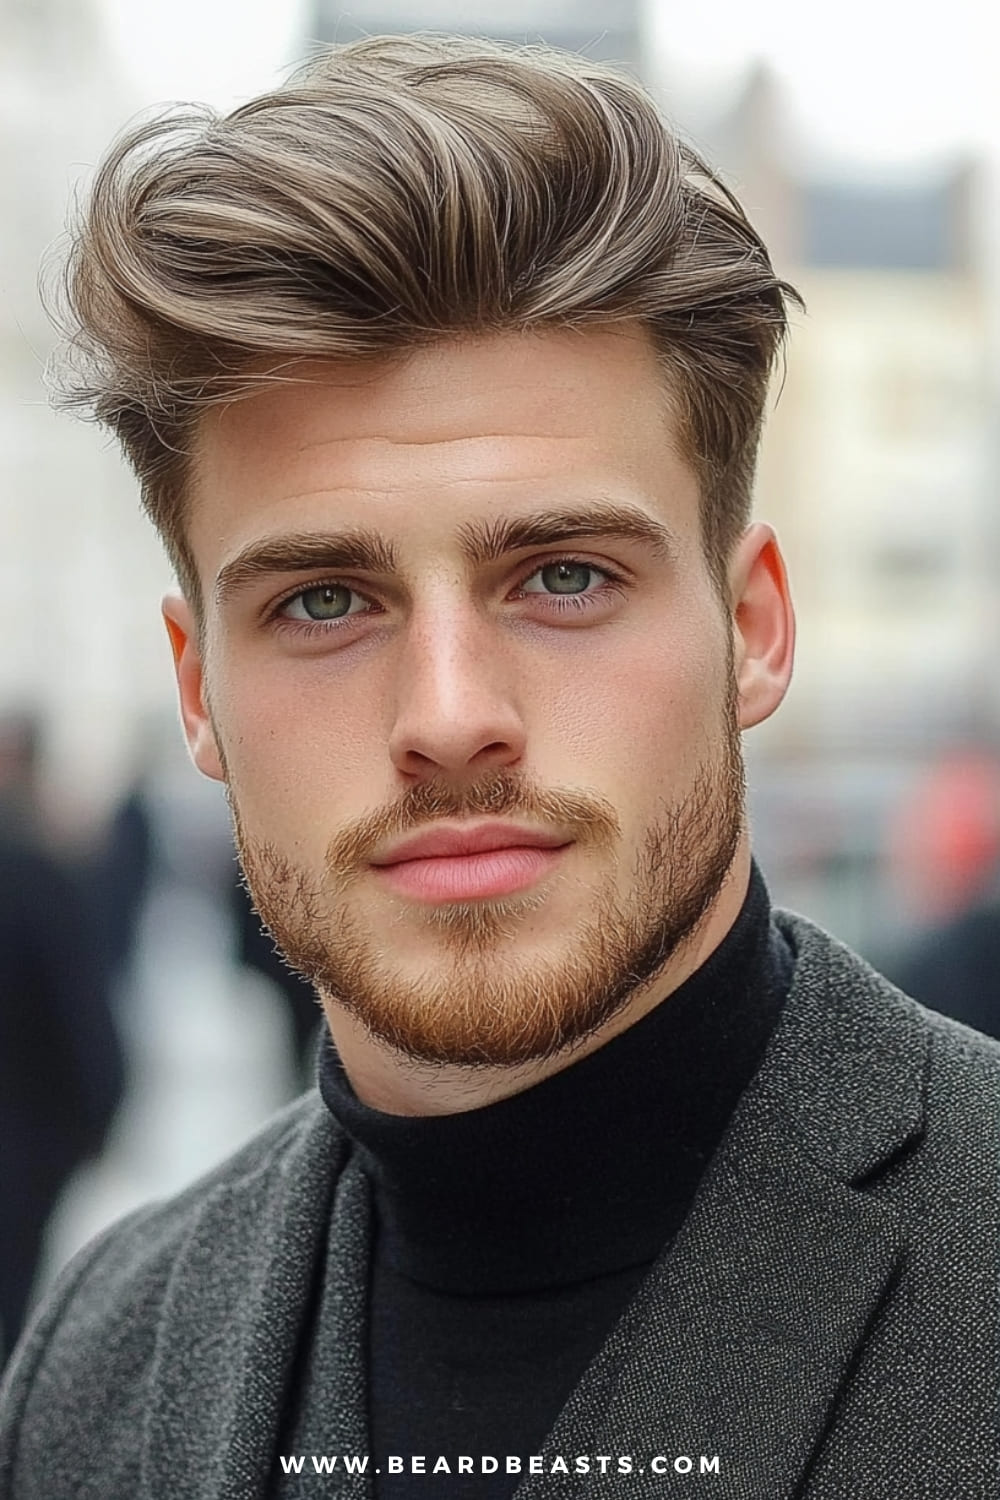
{"type": "Point", "coordinates": [61, 1067]}
{"type": "Point", "coordinates": [947, 858]}
{"type": "Point", "coordinates": [120, 872]}
{"type": "Point", "coordinates": [954, 966]}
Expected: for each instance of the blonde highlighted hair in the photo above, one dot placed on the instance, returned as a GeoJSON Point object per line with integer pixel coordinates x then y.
{"type": "Point", "coordinates": [399, 191]}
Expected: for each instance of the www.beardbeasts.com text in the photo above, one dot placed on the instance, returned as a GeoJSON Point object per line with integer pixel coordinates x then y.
{"type": "Point", "coordinates": [607, 1464]}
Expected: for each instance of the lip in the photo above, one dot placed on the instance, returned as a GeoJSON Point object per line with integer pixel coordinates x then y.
{"type": "Point", "coordinates": [470, 838]}
{"type": "Point", "coordinates": [471, 863]}
{"type": "Point", "coordinates": [470, 877]}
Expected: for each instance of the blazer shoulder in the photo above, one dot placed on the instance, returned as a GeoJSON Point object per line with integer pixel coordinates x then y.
{"type": "Point", "coordinates": [252, 1175]}
{"type": "Point", "coordinates": [98, 1326]}
{"type": "Point", "coordinates": [258, 1168]}
{"type": "Point", "coordinates": [842, 999]}
{"type": "Point", "coordinates": [821, 958]}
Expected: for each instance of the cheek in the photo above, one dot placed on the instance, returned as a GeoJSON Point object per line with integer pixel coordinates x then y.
{"type": "Point", "coordinates": [299, 761]}
{"type": "Point", "coordinates": [649, 705]}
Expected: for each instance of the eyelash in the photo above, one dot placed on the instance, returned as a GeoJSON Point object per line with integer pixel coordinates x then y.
{"type": "Point", "coordinates": [616, 583]}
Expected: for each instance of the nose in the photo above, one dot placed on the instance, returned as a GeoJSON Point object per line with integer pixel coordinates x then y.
{"type": "Point", "coordinates": [457, 710]}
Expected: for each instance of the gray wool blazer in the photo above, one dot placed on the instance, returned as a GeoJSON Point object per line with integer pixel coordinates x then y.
{"type": "Point", "coordinates": [825, 1323]}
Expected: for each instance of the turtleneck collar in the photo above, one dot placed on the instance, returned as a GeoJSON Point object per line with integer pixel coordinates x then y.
{"type": "Point", "coordinates": [592, 1170]}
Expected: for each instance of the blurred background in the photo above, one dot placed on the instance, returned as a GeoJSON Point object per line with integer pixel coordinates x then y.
{"type": "Point", "coordinates": [865, 142]}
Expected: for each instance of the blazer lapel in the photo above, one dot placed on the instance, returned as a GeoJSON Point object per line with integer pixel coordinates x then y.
{"type": "Point", "coordinates": [329, 1412]}
{"type": "Point", "coordinates": [741, 1336]}
{"type": "Point", "coordinates": [228, 1339]}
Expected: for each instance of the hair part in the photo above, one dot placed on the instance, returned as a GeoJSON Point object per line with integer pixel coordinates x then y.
{"type": "Point", "coordinates": [401, 191]}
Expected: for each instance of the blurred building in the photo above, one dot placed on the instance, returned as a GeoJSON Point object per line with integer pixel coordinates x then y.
{"type": "Point", "coordinates": [880, 464]}
{"type": "Point", "coordinates": [604, 29]}
{"type": "Point", "coordinates": [80, 571]}
{"type": "Point", "coordinates": [880, 471]}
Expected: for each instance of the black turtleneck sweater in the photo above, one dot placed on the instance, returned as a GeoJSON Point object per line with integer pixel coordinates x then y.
{"type": "Point", "coordinates": [510, 1238]}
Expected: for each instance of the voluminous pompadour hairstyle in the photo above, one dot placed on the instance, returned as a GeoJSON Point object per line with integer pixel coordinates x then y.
{"type": "Point", "coordinates": [400, 191]}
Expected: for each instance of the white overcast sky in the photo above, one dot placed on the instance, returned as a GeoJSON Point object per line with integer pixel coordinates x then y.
{"type": "Point", "coordinates": [870, 81]}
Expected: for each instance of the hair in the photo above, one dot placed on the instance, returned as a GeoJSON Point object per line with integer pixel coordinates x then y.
{"type": "Point", "coordinates": [397, 192]}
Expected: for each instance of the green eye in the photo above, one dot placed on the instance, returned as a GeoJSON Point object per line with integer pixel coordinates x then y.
{"type": "Point", "coordinates": [328, 601]}
{"type": "Point", "coordinates": [567, 577]}
{"type": "Point", "coordinates": [564, 577]}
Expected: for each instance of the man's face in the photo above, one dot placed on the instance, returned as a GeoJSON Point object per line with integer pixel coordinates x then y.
{"type": "Point", "coordinates": [457, 591]}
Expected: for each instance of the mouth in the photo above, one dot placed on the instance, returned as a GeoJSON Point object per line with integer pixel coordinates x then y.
{"type": "Point", "coordinates": [470, 877]}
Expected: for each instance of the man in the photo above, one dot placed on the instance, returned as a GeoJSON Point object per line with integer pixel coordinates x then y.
{"type": "Point", "coordinates": [442, 371]}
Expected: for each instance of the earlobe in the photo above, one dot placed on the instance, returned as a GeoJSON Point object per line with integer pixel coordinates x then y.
{"type": "Point", "coordinates": [182, 630]}
{"type": "Point", "coordinates": [763, 624]}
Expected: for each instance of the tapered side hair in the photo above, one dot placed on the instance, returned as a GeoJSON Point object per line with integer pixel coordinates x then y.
{"type": "Point", "coordinates": [397, 192]}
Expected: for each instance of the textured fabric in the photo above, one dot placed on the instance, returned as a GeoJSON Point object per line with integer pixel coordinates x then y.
{"type": "Point", "coordinates": [825, 1322]}
{"type": "Point", "coordinates": [329, 1362]}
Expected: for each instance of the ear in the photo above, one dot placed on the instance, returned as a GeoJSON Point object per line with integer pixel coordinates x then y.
{"type": "Point", "coordinates": [188, 666]}
{"type": "Point", "coordinates": [763, 624]}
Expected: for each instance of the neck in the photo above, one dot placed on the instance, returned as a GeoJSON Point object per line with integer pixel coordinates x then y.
{"type": "Point", "coordinates": [387, 1080]}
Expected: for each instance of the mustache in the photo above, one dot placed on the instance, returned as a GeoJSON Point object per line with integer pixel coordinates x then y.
{"type": "Point", "coordinates": [586, 817]}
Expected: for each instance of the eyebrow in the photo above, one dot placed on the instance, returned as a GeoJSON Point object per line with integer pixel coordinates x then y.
{"type": "Point", "coordinates": [480, 542]}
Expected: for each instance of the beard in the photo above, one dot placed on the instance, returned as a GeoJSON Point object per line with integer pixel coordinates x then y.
{"type": "Point", "coordinates": [484, 1003]}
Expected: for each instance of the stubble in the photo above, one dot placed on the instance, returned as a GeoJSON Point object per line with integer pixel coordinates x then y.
{"type": "Point", "coordinates": [482, 1002]}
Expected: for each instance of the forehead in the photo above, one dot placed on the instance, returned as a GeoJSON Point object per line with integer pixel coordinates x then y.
{"type": "Point", "coordinates": [458, 427]}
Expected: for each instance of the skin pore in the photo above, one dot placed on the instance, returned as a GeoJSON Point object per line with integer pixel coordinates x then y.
{"type": "Point", "coordinates": [463, 586]}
